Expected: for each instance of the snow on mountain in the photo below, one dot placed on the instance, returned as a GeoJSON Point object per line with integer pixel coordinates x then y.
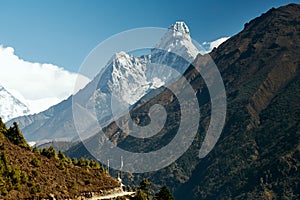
{"type": "Point", "coordinates": [209, 46]}
{"type": "Point", "coordinates": [129, 77]}
{"type": "Point", "coordinates": [37, 105]}
{"type": "Point", "coordinates": [178, 40]}
{"type": "Point", "coordinates": [10, 106]}
{"type": "Point", "coordinates": [126, 77]}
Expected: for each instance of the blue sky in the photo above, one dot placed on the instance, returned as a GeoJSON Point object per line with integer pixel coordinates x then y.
{"type": "Point", "coordinates": [64, 32]}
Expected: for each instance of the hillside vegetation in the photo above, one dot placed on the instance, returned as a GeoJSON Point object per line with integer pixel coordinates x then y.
{"type": "Point", "coordinates": [29, 173]}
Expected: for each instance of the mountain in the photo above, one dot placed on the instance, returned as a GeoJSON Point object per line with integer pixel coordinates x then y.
{"type": "Point", "coordinates": [125, 76]}
{"type": "Point", "coordinates": [27, 173]}
{"type": "Point", "coordinates": [10, 106]}
{"type": "Point", "coordinates": [258, 154]}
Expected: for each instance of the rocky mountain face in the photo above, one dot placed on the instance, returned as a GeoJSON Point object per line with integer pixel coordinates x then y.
{"type": "Point", "coordinates": [10, 106]}
{"type": "Point", "coordinates": [128, 76]}
{"type": "Point", "coordinates": [257, 156]}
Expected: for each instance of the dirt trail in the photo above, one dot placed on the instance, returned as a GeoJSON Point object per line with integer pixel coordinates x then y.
{"type": "Point", "coordinates": [111, 196]}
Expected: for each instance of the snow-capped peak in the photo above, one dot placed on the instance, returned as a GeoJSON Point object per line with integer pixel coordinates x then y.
{"type": "Point", "coordinates": [180, 27]}
{"type": "Point", "coordinates": [178, 41]}
{"type": "Point", "coordinates": [10, 106]}
{"type": "Point", "coordinates": [120, 56]}
{"type": "Point", "coordinates": [122, 59]}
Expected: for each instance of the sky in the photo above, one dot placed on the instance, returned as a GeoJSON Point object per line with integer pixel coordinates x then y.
{"type": "Point", "coordinates": [64, 32]}
{"type": "Point", "coordinates": [54, 37]}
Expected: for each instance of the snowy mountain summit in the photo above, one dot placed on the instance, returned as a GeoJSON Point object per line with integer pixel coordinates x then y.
{"type": "Point", "coordinates": [180, 27]}
{"type": "Point", "coordinates": [178, 41]}
{"type": "Point", "coordinates": [10, 106]}
{"type": "Point", "coordinates": [130, 77]}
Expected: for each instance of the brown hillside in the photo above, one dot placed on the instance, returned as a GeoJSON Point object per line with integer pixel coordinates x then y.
{"type": "Point", "coordinates": [42, 176]}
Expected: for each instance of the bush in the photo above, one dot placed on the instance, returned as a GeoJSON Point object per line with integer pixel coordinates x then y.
{"type": "Point", "coordinates": [83, 162]}
{"type": "Point", "coordinates": [94, 165]}
{"type": "Point", "coordinates": [34, 173]}
{"type": "Point", "coordinates": [87, 181]}
{"type": "Point", "coordinates": [145, 186]}
{"type": "Point", "coordinates": [15, 175]}
{"type": "Point", "coordinates": [35, 162]}
{"type": "Point", "coordinates": [74, 161]}
{"type": "Point", "coordinates": [35, 189]}
{"type": "Point", "coordinates": [49, 152]}
{"type": "Point", "coordinates": [164, 194]}
{"type": "Point", "coordinates": [140, 195]}
{"type": "Point", "coordinates": [24, 177]}
{"type": "Point", "coordinates": [3, 191]}
{"type": "Point", "coordinates": [73, 185]}
{"type": "Point", "coordinates": [36, 150]}
{"type": "Point", "coordinates": [3, 127]}
{"type": "Point", "coordinates": [61, 155]}
{"type": "Point", "coordinates": [61, 166]}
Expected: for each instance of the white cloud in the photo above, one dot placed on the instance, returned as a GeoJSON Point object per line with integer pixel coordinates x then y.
{"type": "Point", "coordinates": [39, 85]}
{"type": "Point", "coordinates": [208, 46]}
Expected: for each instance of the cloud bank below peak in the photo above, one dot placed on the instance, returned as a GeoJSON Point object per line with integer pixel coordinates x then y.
{"type": "Point", "coordinates": [40, 85]}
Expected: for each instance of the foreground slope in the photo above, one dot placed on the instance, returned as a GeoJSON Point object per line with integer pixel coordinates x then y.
{"type": "Point", "coordinates": [258, 153]}
{"type": "Point", "coordinates": [26, 173]}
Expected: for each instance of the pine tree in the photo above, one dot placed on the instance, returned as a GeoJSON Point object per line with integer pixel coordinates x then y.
{"type": "Point", "coordinates": [3, 127]}
{"type": "Point", "coordinates": [145, 186]}
{"type": "Point", "coordinates": [16, 137]}
{"type": "Point", "coordinates": [140, 195]}
{"type": "Point", "coordinates": [164, 194]}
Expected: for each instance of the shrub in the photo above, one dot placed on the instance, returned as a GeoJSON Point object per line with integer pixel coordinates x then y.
{"type": "Point", "coordinates": [36, 150]}
{"type": "Point", "coordinates": [72, 185]}
{"type": "Point", "coordinates": [24, 177]}
{"type": "Point", "coordinates": [87, 181]}
{"type": "Point", "coordinates": [83, 162]}
{"type": "Point", "coordinates": [74, 161]}
{"type": "Point", "coordinates": [49, 152]}
{"type": "Point", "coordinates": [35, 162]}
{"type": "Point", "coordinates": [94, 165]}
{"type": "Point", "coordinates": [164, 194]}
{"type": "Point", "coordinates": [61, 155]}
{"type": "Point", "coordinates": [61, 166]}
{"type": "Point", "coordinates": [34, 173]}
{"type": "Point", "coordinates": [3, 191]}
{"type": "Point", "coordinates": [140, 195]}
{"type": "Point", "coordinates": [35, 189]}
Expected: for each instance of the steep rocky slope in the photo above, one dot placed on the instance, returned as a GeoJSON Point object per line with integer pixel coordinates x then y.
{"type": "Point", "coordinates": [258, 154]}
